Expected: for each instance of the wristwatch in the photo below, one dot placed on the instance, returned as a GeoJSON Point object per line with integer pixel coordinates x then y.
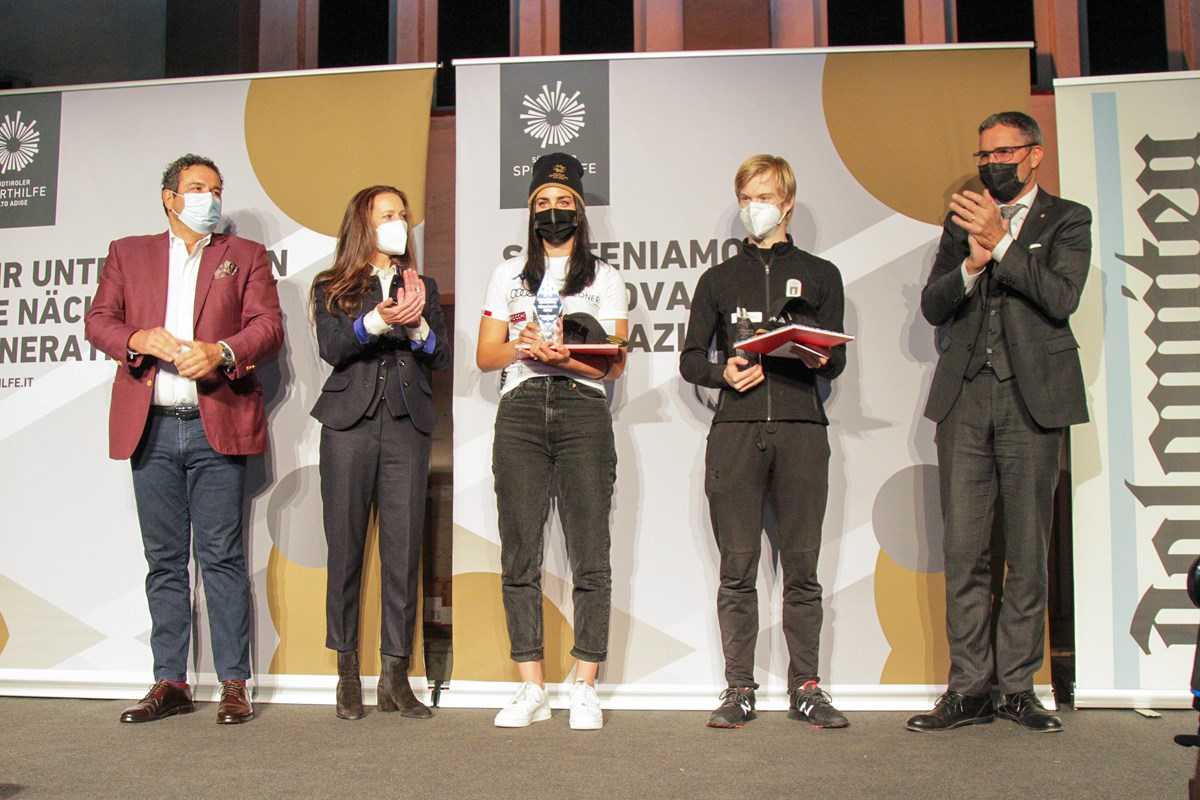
{"type": "Point", "coordinates": [227, 361]}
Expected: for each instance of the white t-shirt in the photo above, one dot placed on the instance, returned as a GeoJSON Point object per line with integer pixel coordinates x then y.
{"type": "Point", "coordinates": [508, 299]}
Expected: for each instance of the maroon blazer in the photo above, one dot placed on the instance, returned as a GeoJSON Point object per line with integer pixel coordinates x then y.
{"type": "Point", "coordinates": [236, 302]}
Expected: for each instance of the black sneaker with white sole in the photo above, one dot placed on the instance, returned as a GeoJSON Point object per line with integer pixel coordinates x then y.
{"type": "Point", "coordinates": [811, 705]}
{"type": "Point", "coordinates": [737, 707]}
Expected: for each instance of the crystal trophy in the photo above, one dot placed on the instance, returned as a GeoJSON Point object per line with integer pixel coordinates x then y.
{"type": "Point", "coordinates": [547, 306]}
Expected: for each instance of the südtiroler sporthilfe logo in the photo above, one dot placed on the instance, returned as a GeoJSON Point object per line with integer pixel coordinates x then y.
{"type": "Point", "coordinates": [553, 116]}
{"type": "Point", "coordinates": [18, 143]}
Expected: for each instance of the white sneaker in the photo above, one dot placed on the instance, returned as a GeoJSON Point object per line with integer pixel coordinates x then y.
{"type": "Point", "coordinates": [531, 704]}
{"type": "Point", "coordinates": [585, 708]}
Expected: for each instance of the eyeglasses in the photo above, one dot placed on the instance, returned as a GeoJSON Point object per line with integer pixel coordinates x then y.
{"type": "Point", "coordinates": [1000, 155]}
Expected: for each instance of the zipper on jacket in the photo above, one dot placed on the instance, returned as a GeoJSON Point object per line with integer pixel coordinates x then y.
{"type": "Point", "coordinates": [766, 310]}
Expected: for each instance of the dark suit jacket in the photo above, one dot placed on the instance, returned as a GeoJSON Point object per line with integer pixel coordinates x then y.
{"type": "Point", "coordinates": [349, 390]}
{"type": "Point", "coordinates": [1038, 283]}
{"type": "Point", "coordinates": [240, 307]}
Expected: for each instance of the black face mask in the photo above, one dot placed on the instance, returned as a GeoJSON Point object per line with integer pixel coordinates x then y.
{"type": "Point", "coordinates": [555, 225]}
{"type": "Point", "coordinates": [1001, 180]}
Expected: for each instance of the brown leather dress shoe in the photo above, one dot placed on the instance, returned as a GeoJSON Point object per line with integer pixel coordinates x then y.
{"type": "Point", "coordinates": [235, 704]}
{"type": "Point", "coordinates": [954, 710]}
{"type": "Point", "coordinates": [163, 700]}
{"type": "Point", "coordinates": [1025, 709]}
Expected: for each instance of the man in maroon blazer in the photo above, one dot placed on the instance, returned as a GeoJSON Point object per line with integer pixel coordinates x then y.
{"type": "Point", "coordinates": [187, 315]}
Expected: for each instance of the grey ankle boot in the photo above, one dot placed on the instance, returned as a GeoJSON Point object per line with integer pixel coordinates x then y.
{"type": "Point", "coordinates": [395, 694]}
{"type": "Point", "coordinates": [349, 687]}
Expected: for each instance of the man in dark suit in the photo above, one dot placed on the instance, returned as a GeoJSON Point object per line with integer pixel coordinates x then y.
{"type": "Point", "coordinates": [1008, 275]}
{"type": "Point", "coordinates": [187, 315]}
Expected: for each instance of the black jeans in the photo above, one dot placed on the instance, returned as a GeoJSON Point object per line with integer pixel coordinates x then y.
{"type": "Point", "coordinates": [786, 463]}
{"type": "Point", "coordinates": [546, 427]}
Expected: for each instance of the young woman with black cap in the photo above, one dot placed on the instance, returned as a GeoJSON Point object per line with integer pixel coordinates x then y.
{"type": "Point", "coordinates": [553, 419]}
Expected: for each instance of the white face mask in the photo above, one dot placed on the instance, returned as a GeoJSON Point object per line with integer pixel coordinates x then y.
{"type": "Point", "coordinates": [761, 219]}
{"type": "Point", "coordinates": [201, 211]}
{"type": "Point", "coordinates": [392, 237]}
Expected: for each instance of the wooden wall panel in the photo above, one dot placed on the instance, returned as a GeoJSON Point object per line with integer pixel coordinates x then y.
{"type": "Point", "coordinates": [726, 24]}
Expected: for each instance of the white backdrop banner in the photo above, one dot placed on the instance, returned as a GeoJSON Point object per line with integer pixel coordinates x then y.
{"type": "Point", "coordinates": [80, 167]}
{"type": "Point", "coordinates": [661, 138]}
{"type": "Point", "coordinates": [1129, 152]}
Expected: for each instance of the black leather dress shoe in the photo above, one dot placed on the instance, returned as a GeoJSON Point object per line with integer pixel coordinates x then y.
{"type": "Point", "coordinates": [1025, 708]}
{"type": "Point", "coordinates": [163, 700]}
{"type": "Point", "coordinates": [953, 710]}
{"type": "Point", "coordinates": [235, 703]}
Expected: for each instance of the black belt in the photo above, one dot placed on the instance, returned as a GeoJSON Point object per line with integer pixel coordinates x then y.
{"type": "Point", "coordinates": [178, 412]}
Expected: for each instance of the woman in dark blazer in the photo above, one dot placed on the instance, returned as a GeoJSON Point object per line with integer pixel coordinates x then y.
{"type": "Point", "coordinates": [379, 324]}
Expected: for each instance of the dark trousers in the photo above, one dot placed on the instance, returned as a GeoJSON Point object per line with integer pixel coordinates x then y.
{"type": "Point", "coordinates": [385, 459]}
{"type": "Point", "coordinates": [786, 464]}
{"type": "Point", "coordinates": [989, 444]}
{"type": "Point", "coordinates": [547, 427]}
{"type": "Point", "coordinates": [188, 495]}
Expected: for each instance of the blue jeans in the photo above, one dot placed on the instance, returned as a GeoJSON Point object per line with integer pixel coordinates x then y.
{"type": "Point", "coordinates": [187, 493]}
{"type": "Point", "coordinates": [546, 427]}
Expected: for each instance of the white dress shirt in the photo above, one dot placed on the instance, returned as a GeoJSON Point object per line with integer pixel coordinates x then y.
{"type": "Point", "coordinates": [171, 388]}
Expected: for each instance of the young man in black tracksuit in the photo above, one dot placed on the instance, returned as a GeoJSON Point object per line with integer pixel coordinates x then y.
{"type": "Point", "coordinates": [768, 439]}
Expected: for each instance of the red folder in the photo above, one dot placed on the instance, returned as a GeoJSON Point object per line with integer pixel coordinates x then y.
{"type": "Point", "coordinates": [789, 341]}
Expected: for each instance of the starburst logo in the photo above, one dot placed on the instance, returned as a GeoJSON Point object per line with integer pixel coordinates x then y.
{"type": "Point", "coordinates": [18, 143]}
{"type": "Point", "coordinates": [553, 117]}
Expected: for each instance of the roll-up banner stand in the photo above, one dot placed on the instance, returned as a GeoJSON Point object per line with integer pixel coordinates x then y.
{"type": "Point", "coordinates": [80, 166]}
{"type": "Point", "coordinates": [1128, 149]}
{"type": "Point", "coordinates": [878, 143]}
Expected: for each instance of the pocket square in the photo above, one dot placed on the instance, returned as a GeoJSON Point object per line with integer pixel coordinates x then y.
{"type": "Point", "coordinates": [1033, 246]}
{"type": "Point", "coordinates": [225, 270]}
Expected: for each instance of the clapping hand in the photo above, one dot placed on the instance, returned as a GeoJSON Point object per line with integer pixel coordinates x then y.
{"type": "Point", "coordinates": [408, 304]}
{"type": "Point", "coordinates": [978, 215]}
{"type": "Point", "coordinates": [410, 298]}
